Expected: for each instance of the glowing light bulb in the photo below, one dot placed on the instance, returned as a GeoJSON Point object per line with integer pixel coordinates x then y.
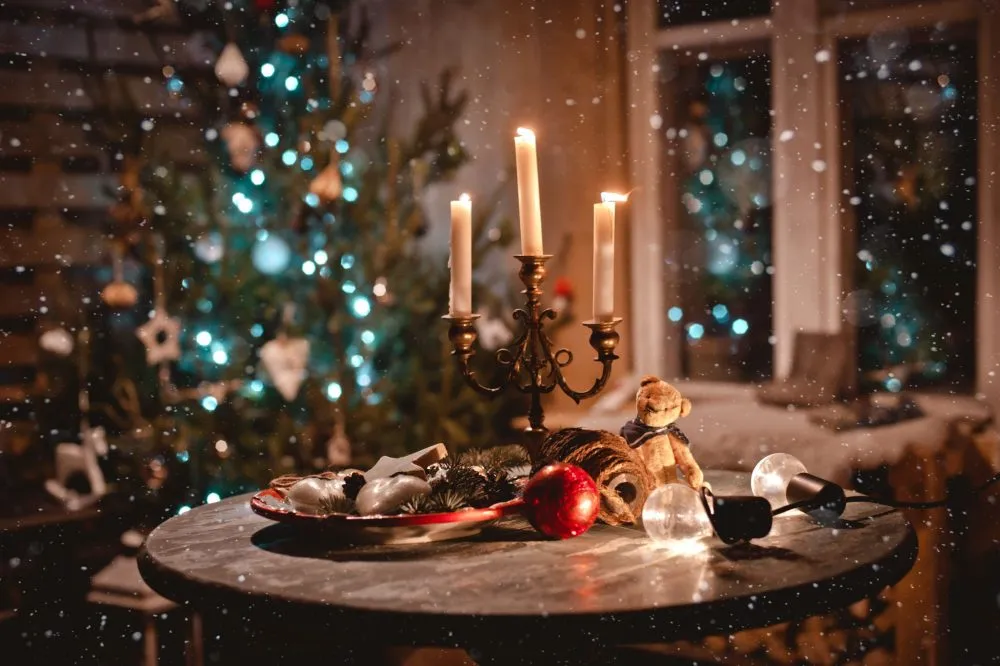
{"type": "Point", "coordinates": [333, 391]}
{"type": "Point", "coordinates": [772, 475]}
{"type": "Point", "coordinates": [674, 512]}
{"type": "Point", "coordinates": [212, 498]}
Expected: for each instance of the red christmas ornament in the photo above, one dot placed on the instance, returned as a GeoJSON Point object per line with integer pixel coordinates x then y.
{"type": "Point", "coordinates": [265, 5]}
{"type": "Point", "coordinates": [561, 501]}
{"type": "Point", "coordinates": [563, 287]}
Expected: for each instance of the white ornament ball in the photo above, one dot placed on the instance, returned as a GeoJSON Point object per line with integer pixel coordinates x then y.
{"type": "Point", "coordinates": [674, 512]}
{"type": "Point", "coordinates": [334, 130]}
{"type": "Point", "coordinates": [56, 341]}
{"type": "Point", "coordinates": [317, 496]}
{"type": "Point", "coordinates": [271, 255]}
{"type": "Point", "coordinates": [209, 247]}
{"type": "Point", "coordinates": [385, 495]}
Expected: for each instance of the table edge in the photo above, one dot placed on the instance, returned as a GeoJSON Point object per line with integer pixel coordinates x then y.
{"type": "Point", "coordinates": [315, 620]}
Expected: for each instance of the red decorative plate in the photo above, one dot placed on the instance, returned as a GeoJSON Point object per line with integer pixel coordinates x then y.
{"type": "Point", "coordinates": [415, 528]}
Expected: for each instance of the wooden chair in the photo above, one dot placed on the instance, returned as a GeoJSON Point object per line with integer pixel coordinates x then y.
{"type": "Point", "coordinates": [120, 585]}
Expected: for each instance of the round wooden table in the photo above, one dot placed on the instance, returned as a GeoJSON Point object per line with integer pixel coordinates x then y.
{"type": "Point", "coordinates": [509, 590]}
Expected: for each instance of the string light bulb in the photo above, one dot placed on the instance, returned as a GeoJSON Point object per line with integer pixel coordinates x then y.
{"type": "Point", "coordinates": [674, 512]}
{"type": "Point", "coordinates": [783, 480]}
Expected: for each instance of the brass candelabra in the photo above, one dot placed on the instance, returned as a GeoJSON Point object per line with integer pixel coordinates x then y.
{"type": "Point", "coordinates": [532, 364]}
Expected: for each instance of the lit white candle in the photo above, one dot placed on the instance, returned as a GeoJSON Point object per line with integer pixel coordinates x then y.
{"type": "Point", "coordinates": [527, 192]}
{"type": "Point", "coordinates": [604, 256]}
{"type": "Point", "coordinates": [461, 257]}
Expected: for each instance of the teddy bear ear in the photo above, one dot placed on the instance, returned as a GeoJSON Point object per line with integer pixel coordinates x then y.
{"type": "Point", "coordinates": [648, 379]}
{"type": "Point", "coordinates": [685, 407]}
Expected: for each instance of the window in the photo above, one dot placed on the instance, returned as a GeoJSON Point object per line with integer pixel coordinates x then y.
{"type": "Point", "coordinates": [721, 149]}
{"type": "Point", "coordinates": [683, 12]}
{"type": "Point", "coordinates": [910, 143]}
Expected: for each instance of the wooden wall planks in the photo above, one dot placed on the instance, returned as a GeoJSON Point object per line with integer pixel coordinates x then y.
{"type": "Point", "coordinates": [68, 71]}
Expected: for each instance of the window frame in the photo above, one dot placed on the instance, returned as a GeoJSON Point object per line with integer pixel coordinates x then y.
{"type": "Point", "coordinates": [814, 210]}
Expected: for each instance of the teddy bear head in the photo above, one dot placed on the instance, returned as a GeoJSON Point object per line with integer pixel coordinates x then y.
{"type": "Point", "coordinates": [658, 403]}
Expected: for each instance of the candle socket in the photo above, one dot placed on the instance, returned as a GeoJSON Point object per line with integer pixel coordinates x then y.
{"type": "Point", "coordinates": [531, 364]}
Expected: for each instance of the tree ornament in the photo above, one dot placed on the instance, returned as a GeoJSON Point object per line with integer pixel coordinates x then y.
{"type": "Point", "coordinates": [327, 185]}
{"type": "Point", "coordinates": [243, 143]}
{"type": "Point", "coordinates": [56, 341]}
{"type": "Point", "coordinates": [73, 459]}
{"type": "Point", "coordinates": [333, 130]}
{"type": "Point", "coordinates": [119, 295]}
{"type": "Point", "coordinates": [264, 5]}
{"type": "Point", "coordinates": [493, 331]}
{"type": "Point", "coordinates": [209, 247]}
{"type": "Point", "coordinates": [293, 44]}
{"type": "Point", "coordinates": [161, 337]}
{"type": "Point", "coordinates": [129, 212]}
{"type": "Point", "coordinates": [338, 447]}
{"type": "Point", "coordinates": [284, 360]}
{"type": "Point", "coordinates": [561, 501]}
{"type": "Point", "coordinates": [231, 67]}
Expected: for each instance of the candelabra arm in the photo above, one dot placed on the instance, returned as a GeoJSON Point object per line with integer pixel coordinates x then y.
{"type": "Point", "coordinates": [462, 333]}
{"type": "Point", "coordinates": [604, 339]}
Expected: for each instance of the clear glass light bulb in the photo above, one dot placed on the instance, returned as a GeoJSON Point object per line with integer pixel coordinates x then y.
{"type": "Point", "coordinates": [674, 512]}
{"type": "Point", "coordinates": [771, 476]}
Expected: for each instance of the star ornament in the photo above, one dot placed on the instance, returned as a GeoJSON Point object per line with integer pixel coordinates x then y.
{"type": "Point", "coordinates": [161, 337]}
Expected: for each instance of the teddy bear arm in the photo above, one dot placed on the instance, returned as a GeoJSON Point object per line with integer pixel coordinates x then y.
{"type": "Point", "coordinates": [687, 464]}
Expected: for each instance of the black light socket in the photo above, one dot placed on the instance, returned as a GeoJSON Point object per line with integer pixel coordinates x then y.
{"type": "Point", "coordinates": [737, 518]}
{"type": "Point", "coordinates": [825, 499]}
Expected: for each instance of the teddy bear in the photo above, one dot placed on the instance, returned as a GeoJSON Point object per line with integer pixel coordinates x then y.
{"type": "Point", "coordinates": [654, 435]}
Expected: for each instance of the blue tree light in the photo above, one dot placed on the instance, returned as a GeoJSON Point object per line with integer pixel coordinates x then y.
{"type": "Point", "coordinates": [212, 498]}
{"type": "Point", "coordinates": [220, 357]}
{"type": "Point", "coordinates": [184, 508]}
{"type": "Point", "coordinates": [675, 314]}
{"type": "Point", "coordinates": [209, 403]}
{"type": "Point", "coordinates": [267, 70]}
{"type": "Point", "coordinates": [288, 157]}
{"type": "Point", "coordinates": [740, 326]}
{"type": "Point", "coordinates": [361, 306]}
{"type": "Point", "coordinates": [271, 255]}
{"type": "Point", "coordinates": [720, 312]}
{"type": "Point", "coordinates": [291, 84]}
{"type": "Point", "coordinates": [308, 267]}
{"type": "Point", "coordinates": [350, 194]}
{"type": "Point", "coordinates": [271, 139]}
{"type": "Point", "coordinates": [357, 360]}
{"type": "Point", "coordinates": [341, 146]}
{"type": "Point", "coordinates": [367, 337]}
{"type": "Point", "coordinates": [347, 261]}
{"type": "Point", "coordinates": [320, 257]}
{"type": "Point", "coordinates": [257, 177]}
{"type": "Point", "coordinates": [696, 331]}
{"type": "Point", "coordinates": [306, 163]}
{"type": "Point", "coordinates": [333, 391]}
{"type": "Point", "coordinates": [203, 338]}
{"type": "Point", "coordinates": [281, 20]}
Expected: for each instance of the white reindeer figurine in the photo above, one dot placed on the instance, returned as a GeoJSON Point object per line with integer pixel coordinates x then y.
{"type": "Point", "coordinates": [80, 459]}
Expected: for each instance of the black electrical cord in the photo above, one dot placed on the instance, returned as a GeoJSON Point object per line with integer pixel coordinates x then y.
{"type": "Point", "coordinates": [794, 505]}
{"type": "Point", "coordinates": [896, 504]}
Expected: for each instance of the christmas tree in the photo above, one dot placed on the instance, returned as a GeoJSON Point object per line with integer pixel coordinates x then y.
{"type": "Point", "coordinates": [294, 320]}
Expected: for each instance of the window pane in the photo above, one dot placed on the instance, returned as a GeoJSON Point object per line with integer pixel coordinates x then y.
{"type": "Point", "coordinates": [722, 151]}
{"type": "Point", "coordinates": [911, 140]}
{"type": "Point", "coordinates": [683, 12]}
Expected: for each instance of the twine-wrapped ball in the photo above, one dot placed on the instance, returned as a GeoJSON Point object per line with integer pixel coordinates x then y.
{"type": "Point", "coordinates": [622, 478]}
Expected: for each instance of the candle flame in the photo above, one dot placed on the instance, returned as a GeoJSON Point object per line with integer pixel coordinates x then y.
{"type": "Point", "coordinates": [607, 197]}
{"type": "Point", "coordinates": [465, 198]}
{"type": "Point", "coordinates": [525, 132]}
